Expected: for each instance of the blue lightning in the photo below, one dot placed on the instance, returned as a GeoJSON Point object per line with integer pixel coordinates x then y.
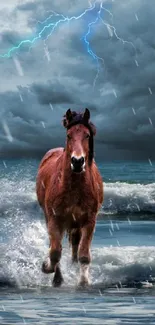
{"type": "Point", "coordinates": [51, 27]}
{"type": "Point", "coordinates": [89, 50]}
{"type": "Point", "coordinates": [47, 28]}
{"type": "Point", "coordinates": [54, 14]}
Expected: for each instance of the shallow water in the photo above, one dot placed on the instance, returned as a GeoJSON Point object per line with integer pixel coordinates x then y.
{"type": "Point", "coordinates": [72, 307]}
{"type": "Point", "coordinates": [122, 273]}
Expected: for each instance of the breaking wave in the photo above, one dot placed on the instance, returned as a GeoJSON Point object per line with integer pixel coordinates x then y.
{"type": "Point", "coordinates": [119, 198]}
{"type": "Point", "coordinates": [129, 198]}
{"type": "Point", "coordinates": [24, 241]}
{"type": "Point", "coordinates": [22, 256]}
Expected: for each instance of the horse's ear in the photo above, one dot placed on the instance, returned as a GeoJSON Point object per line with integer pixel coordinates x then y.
{"type": "Point", "coordinates": [69, 115]}
{"type": "Point", "coordinates": [86, 115]}
{"type": "Point", "coordinates": [67, 118]}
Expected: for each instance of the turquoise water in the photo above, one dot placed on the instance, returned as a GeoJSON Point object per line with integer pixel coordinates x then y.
{"type": "Point", "coordinates": [123, 255]}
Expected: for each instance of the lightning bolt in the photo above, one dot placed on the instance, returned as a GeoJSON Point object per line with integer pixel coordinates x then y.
{"type": "Point", "coordinates": [89, 50]}
{"type": "Point", "coordinates": [112, 30]}
{"type": "Point", "coordinates": [54, 14]}
{"type": "Point", "coordinates": [49, 27]}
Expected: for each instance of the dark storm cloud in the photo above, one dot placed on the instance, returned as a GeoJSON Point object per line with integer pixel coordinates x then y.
{"type": "Point", "coordinates": [9, 39]}
{"type": "Point", "coordinates": [58, 94]}
{"type": "Point", "coordinates": [63, 72]}
{"type": "Point", "coordinates": [61, 6]}
{"type": "Point", "coordinates": [51, 93]}
{"type": "Point", "coordinates": [27, 6]}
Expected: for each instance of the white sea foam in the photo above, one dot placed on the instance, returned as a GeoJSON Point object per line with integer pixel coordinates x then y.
{"type": "Point", "coordinates": [27, 242]}
{"type": "Point", "coordinates": [126, 198]}
{"type": "Point", "coordinates": [118, 197]}
{"type": "Point", "coordinates": [22, 256]}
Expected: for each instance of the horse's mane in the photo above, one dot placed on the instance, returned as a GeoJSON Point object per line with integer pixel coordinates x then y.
{"type": "Point", "coordinates": [74, 118]}
{"type": "Point", "coordinates": [78, 118]}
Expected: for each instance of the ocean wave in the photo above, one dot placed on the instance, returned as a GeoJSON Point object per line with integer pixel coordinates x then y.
{"type": "Point", "coordinates": [128, 198]}
{"type": "Point", "coordinates": [119, 198]}
{"type": "Point", "coordinates": [22, 256]}
{"type": "Point", "coordinates": [25, 240]}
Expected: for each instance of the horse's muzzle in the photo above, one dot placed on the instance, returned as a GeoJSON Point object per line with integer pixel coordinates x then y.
{"type": "Point", "coordinates": [78, 164]}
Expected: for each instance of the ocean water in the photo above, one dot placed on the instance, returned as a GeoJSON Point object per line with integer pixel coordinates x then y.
{"type": "Point", "coordinates": [122, 272]}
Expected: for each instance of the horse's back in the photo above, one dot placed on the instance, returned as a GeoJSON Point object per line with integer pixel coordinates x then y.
{"type": "Point", "coordinates": [98, 181]}
{"type": "Point", "coordinates": [47, 167]}
{"type": "Point", "coordinates": [51, 154]}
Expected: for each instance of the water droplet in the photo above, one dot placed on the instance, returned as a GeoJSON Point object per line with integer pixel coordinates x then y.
{"type": "Point", "coordinates": [136, 17]}
{"type": "Point", "coordinates": [150, 162]}
{"type": "Point", "coordinates": [118, 243]}
{"type": "Point", "coordinates": [43, 124]}
{"type": "Point", "coordinates": [114, 92]}
{"type": "Point", "coordinates": [18, 66]}
{"type": "Point", "coordinates": [134, 300]}
{"type": "Point", "coordinates": [117, 226]}
{"type": "Point", "coordinates": [53, 211]}
{"type": "Point", "coordinates": [112, 226]}
{"type": "Point", "coordinates": [110, 31]}
{"type": "Point", "coordinates": [150, 90]}
{"type": "Point", "coordinates": [7, 131]}
{"type": "Point", "coordinates": [136, 63]}
{"type": "Point", "coordinates": [129, 221]}
{"type": "Point", "coordinates": [47, 54]}
{"type": "Point", "coordinates": [4, 163]}
{"type": "Point", "coordinates": [150, 121]}
{"type": "Point", "coordinates": [133, 111]}
{"type": "Point", "coordinates": [51, 106]}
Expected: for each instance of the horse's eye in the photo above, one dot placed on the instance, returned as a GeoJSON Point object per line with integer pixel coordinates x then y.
{"type": "Point", "coordinates": [87, 136]}
{"type": "Point", "coordinates": [68, 137]}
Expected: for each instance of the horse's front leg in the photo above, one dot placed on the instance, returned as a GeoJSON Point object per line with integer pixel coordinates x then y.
{"type": "Point", "coordinates": [51, 265]}
{"type": "Point", "coordinates": [84, 252]}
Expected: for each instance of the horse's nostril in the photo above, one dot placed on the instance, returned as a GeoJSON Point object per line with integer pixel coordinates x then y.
{"type": "Point", "coordinates": [77, 161]}
{"type": "Point", "coordinates": [73, 160]}
{"type": "Point", "coordinates": [82, 160]}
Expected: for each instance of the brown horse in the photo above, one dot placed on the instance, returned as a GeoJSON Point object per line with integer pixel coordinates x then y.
{"type": "Point", "coordinates": [70, 192]}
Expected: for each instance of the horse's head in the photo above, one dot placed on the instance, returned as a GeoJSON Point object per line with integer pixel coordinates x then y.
{"type": "Point", "coordinates": [80, 132]}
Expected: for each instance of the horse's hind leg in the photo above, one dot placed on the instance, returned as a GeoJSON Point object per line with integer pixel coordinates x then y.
{"type": "Point", "coordinates": [74, 238]}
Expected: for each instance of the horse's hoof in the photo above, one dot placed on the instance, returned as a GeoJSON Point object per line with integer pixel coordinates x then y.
{"type": "Point", "coordinates": [57, 282]}
{"type": "Point", "coordinates": [84, 282]}
{"type": "Point", "coordinates": [47, 266]}
{"type": "Point", "coordinates": [58, 278]}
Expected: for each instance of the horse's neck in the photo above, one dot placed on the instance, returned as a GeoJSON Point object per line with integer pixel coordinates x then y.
{"type": "Point", "coordinates": [71, 179]}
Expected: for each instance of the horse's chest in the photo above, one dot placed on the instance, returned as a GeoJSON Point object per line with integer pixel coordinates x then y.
{"type": "Point", "coordinates": [75, 203]}
{"type": "Point", "coordinates": [75, 199]}
{"type": "Point", "coordinates": [75, 211]}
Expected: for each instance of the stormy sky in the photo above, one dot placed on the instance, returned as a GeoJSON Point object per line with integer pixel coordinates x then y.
{"type": "Point", "coordinates": [103, 59]}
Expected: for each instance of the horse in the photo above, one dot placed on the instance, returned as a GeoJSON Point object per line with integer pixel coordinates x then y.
{"type": "Point", "coordinates": [69, 189]}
